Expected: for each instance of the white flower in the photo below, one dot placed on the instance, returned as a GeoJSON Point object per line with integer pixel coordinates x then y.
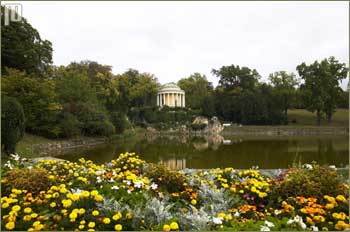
{"type": "Point", "coordinates": [154, 186]}
{"type": "Point", "coordinates": [129, 191]}
{"type": "Point", "coordinates": [299, 221]}
{"type": "Point", "coordinates": [100, 172]}
{"type": "Point", "coordinates": [115, 187]}
{"type": "Point", "coordinates": [332, 167]}
{"type": "Point", "coordinates": [290, 221]}
{"type": "Point", "coordinates": [314, 228]}
{"type": "Point", "coordinates": [264, 228]}
{"type": "Point", "coordinates": [236, 214]}
{"type": "Point", "coordinates": [98, 179]}
{"type": "Point", "coordinates": [30, 167]}
{"type": "Point", "coordinates": [308, 166]}
{"type": "Point", "coordinates": [138, 184]}
{"type": "Point", "coordinates": [15, 157]}
{"type": "Point", "coordinates": [217, 221]}
{"type": "Point", "coordinates": [269, 224]}
{"type": "Point", "coordinates": [277, 212]}
{"type": "Point", "coordinates": [9, 164]}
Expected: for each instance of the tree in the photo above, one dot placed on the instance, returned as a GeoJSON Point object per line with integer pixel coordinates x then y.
{"type": "Point", "coordinates": [198, 90]}
{"type": "Point", "coordinates": [321, 88]}
{"type": "Point", "coordinates": [284, 85]}
{"type": "Point", "coordinates": [12, 124]}
{"type": "Point", "coordinates": [236, 77]}
{"type": "Point", "coordinates": [38, 98]}
{"type": "Point", "coordinates": [22, 48]}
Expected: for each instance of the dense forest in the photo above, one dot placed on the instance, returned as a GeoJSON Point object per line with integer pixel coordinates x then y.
{"type": "Point", "coordinates": [86, 98]}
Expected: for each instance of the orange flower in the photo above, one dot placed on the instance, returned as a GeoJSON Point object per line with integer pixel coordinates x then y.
{"type": "Point", "coordinates": [109, 175]}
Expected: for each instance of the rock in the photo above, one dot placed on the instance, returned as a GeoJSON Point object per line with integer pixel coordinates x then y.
{"type": "Point", "coordinates": [200, 120]}
{"type": "Point", "coordinates": [151, 130]}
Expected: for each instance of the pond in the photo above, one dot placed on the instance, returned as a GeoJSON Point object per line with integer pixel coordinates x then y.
{"type": "Point", "coordinates": [179, 152]}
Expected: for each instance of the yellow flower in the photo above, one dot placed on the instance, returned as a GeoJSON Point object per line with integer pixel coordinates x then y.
{"type": "Point", "coordinates": [73, 215]}
{"type": "Point", "coordinates": [329, 206]}
{"type": "Point", "coordinates": [91, 224]}
{"type": "Point", "coordinates": [81, 227]}
{"type": "Point", "coordinates": [27, 210]}
{"type": "Point", "coordinates": [106, 220]}
{"type": "Point", "coordinates": [95, 213]}
{"type": "Point", "coordinates": [53, 204]}
{"type": "Point", "coordinates": [10, 225]}
{"type": "Point", "coordinates": [221, 215]}
{"type": "Point", "coordinates": [228, 217]}
{"type": "Point", "coordinates": [233, 189]}
{"type": "Point", "coordinates": [94, 193]}
{"type": "Point", "coordinates": [66, 203]}
{"type": "Point", "coordinates": [98, 198]}
{"type": "Point", "coordinates": [85, 194]}
{"type": "Point", "coordinates": [118, 227]}
{"type": "Point", "coordinates": [27, 218]}
{"type": "Point", "coordinates": [310, 221]}
{"type": "Point", "coordinates": [34, 215]}
{"type": "Point", "coordinates": [117, 216]}
{"type": "Point", "coordinates": [166, 227]}
{"type": "Point", "coordinates": [129, 215]}
{"type": "Point", "coordinates": [241, 191]}
{"type": "Point", "coordinates": [81, 211]}
{"type": "Point", "coordinates": [341, 198]}
{"type": "Point", "coordinates": [193, 202]}
{"type": "Point", "coordinates": [318, 219]}
{"type": "Point", "coordinates": [82, 222]}
{"type": "Point", "coordinates": [16, 208]}
{"type": "Point", "coordinates": [174, 226]}
{"type": "Point", "coordinates": [5, 205]}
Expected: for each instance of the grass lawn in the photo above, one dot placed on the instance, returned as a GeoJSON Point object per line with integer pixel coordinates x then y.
{"type": "Point", "coordinates": [25, 146]}
{"type": "Point", "coordinates": [306, 118]}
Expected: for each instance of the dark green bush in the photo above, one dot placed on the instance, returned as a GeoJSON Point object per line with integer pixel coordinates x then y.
{"type": "Point", "coordinates": [12, 124]}
{"type": "Point", "coordinates": [70, 125]}
{"type": "Point", "coordinates": [120, 121]}
{"type": "Point", "coordinates": [103, 128]}
{"type": "Point", "coordinates": [197, 127]}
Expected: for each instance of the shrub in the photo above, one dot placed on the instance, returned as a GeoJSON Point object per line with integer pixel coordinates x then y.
{"type": "Point", "coordinates": [168, 180]}
{"type": "Point", "coordinates": [12, 124]}
{"type": "Point", "coordinates": [103, 128]}
{"type": "Point", "coordinates": [315, 182]}
{"type": "Point", "coordinates": [70, 125]}
{"type": "Point", "coordinates": [120, 121]}
{"type": "Point", "coordinates": [197, 127]}
{"type": "Point", "coordinates": [33, 180]}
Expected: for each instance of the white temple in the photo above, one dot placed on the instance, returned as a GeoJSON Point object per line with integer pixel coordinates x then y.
{"type": "Point", "coordinates": [171, 95]}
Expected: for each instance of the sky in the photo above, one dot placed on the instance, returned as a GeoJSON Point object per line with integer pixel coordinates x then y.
{"type": "Point", "coordinates": [172, 40]}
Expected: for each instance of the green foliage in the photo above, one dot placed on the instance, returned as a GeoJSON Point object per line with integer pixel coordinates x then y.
{"type": "Point", "coordinates": [22, 48]}
{"type": "Point", "coordinates": [284, 86]}
{"type": "Point", "coordinates": [321, 88]}
{"type": "Point", "coordinates": [38, 98]}
{"type": "Point", "coordinates": [120, 121]}
{"type": "Point", "coordinates": [34, 180]}
{"type": "Point", "coordinates": [197, 89]}
{"type": "Point", "coordinates": [70, 125]}
{"type": "Point", "coordinates": [12, 124]}
{"type": "Point", "coordinates": [315, 182]}
{"type": "Point", "coordinates": [237, 77]}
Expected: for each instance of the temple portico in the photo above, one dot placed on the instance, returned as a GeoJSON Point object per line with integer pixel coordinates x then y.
{"type": "Point", "coordinates": [171, 95]}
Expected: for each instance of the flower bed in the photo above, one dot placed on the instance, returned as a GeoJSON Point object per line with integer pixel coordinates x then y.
{"type": "Point", "coordinates": [129, 194]}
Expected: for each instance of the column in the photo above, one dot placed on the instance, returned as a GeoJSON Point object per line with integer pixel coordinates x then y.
{"type": "Point", "coordinates": [184, 105]}
{"type": "Point", "coordinates": [157, 99]}
{"type": "Point", "coordinates": [162, 103]}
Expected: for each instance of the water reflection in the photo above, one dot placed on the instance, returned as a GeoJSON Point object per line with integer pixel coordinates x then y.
{"type": "Point", "coordinates": [174, 164]}
{"type": "Point", "coordinates": [179, 152]}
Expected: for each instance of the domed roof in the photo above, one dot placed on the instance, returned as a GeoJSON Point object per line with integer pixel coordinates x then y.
{"type": "Point", "coordinates": [170, 87]}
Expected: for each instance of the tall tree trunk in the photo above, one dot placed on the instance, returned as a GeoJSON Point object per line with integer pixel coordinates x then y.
{"type": "Point", "coordinates": [329, 118]}
{"type": "Point", "coordinates": [318, 117]}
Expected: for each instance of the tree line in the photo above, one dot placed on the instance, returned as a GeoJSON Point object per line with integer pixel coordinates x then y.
{"type": "Point", "coordinates": [86, 98]}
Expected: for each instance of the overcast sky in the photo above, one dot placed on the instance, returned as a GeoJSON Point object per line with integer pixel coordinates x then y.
{"type": "Point", "coordinates": [175, 39]}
